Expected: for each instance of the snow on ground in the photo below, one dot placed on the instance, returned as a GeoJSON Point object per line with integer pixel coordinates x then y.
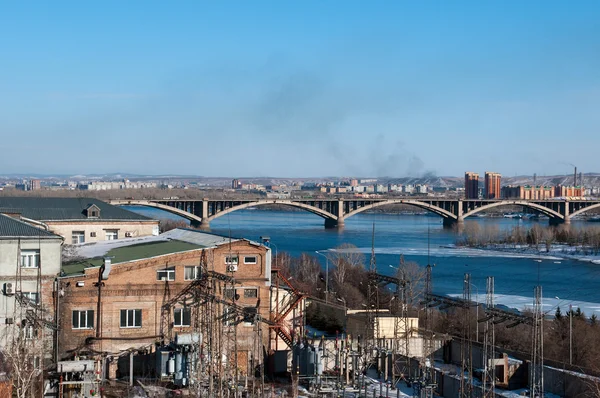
{"type": "Point", "coordinates": [549, 304]}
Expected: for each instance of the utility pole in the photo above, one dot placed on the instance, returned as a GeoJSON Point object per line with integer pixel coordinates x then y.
{"type": "Point", "coordinates": [489, 353]}
{"type": "Point", "coordinates": [466, 386]}
{"type": "Point", "coordinates": [536, 385]}
{"type": "Point", "coordinates": [570, 334]}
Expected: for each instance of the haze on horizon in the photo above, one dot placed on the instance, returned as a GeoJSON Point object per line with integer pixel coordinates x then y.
{"type": "Point", "coordinates": [299, 88]}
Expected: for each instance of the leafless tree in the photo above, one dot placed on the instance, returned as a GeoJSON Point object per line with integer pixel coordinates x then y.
{"type": "Point", "coordinates": [415, 275]}
{"type": "Point", "coordinates": [23, 353]}
{"type": "Point", "coordinates": [344, 258]}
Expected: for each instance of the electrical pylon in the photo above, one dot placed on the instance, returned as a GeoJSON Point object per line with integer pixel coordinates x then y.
{"type": "Point", "coordinates": [489, 353]}
{"type": "Point", "coordinates": [536, 385]}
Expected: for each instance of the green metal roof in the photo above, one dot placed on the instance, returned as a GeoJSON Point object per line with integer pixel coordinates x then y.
{"type": "Point", "coordinates": [131, 253]}
{"type": "Point", "coordinates": [10, 227]}
{"type": "Point", "coordinates": [56, 209]}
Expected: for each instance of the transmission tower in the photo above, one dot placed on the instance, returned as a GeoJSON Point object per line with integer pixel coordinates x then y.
{"type": "Point", "coordinates": [428, 375]}
{"type": "Point", "coordinates": [373, 295]}
{"type": "Point", "coordinates": [489, 353]}
{"type": "Point", "coordinates": [536, 386]}
{"type": "Point", "coordinates": [401, 367]}
{"type": "Point", "coordinates": [466, 386]}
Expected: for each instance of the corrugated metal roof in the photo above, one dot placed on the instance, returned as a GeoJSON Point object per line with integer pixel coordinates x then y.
{"type": "Point", "coordinates": [54, 209]}
{"type": "Point", "coordinates": [10, 227]}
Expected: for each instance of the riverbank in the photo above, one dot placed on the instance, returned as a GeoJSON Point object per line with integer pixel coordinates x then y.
{"type": "Point", "coordinates": [555, 252]}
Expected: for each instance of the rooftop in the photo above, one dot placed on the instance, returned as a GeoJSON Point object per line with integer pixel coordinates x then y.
{"type": "Point", "coordinates": [10, 227]}
{"type": "Point", "coordinates": [129, 249]}
{"type": "Point", "coordinates": [135, 251]}
{"type": "Point", "coordinates": [54, 209]}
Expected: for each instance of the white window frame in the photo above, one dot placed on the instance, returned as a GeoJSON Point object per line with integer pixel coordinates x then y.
{"type": "Point", "coordinates": [130, 315]}
{"type": "Point", "coordinates": [29, 332]}
{"type": "Point", "coordinates": [250, 262]}
{"type": "Point", "coordinates": [33, 297]}
{"type": "Point", "coordinates": [181, 312]}
{"type": "Point", "coordinates": [232, 260]}
{"type": "Point", "coordinates": [254, 289]}
{"type": "Point", "coordinates": [197, 272]}
{"type": "Point", "coordinates": [111, 234]}
{"type": "Point", "coordinates": [79, 236]}
{"type": "Point", "coordinates": [169, 274]}
{"type": "Point", "coordinates": [87, 316]}
{"type": "Point", "coordinates": [30, 258]}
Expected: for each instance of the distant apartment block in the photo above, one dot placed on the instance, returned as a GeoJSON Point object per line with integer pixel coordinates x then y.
{"type": "Point", "coordinates": [528, 192]}
{"type": "Point", "coordinates": [564, 191]}
{"type": "Point", "coordinates": [35, 185]}
{"type": "Point", "coordinates": [236, 184]}
{"type": "Point", "coordinates": [492, 185]}
{"type": "Point", "coordinates": [110, 185]}
{"type": "Point", "coordinates": [471, 185]}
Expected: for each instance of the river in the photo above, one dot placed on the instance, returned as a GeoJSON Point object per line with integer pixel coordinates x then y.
{"type": "Point", "coordinates": [564, 282]}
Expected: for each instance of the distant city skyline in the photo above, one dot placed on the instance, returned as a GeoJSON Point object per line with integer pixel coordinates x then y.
{"type": "Point", "coordinates": [300, 89]}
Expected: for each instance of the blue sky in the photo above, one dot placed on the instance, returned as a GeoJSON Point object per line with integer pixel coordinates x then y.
{"type": "Point", "coordinates": [300, 88]}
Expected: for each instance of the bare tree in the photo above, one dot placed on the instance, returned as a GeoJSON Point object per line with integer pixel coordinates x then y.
{"type": "Point", "coordinates": [415, 276]}
{"type": "Point", "coordinates": [23, 353]}
{"type": "Point", "coordinates": [345, 258]}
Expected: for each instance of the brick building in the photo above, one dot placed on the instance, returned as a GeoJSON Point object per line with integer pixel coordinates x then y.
{"type": "Point", "coordinates": [492, 185]}
{"type": "Point", "coordinates": [564, 191]}
{"type": "Point", "coordinates": [145, 275]}
{"type": "Point", "coordinates": [471, 185]}
{"type": "Point", "coordinates": [528, 192]}
{"type": "Point", "coordinates": [80, 220]}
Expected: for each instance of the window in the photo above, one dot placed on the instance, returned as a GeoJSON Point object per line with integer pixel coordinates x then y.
{"type": "Point", "coordinates": [29, 332]}
{"type": "Point", "coordinates": [131, 318]}
{"type": "Point", "coordinates": [250, 293]}
{"type": "Point", "coordinates": [30, 258]}
{"type": "Point", "coordinates": [192, 272]}
{"type": "Point", "coordinates": [182, 317]}
{"type": "Point", "coordinates": [166, 274]}
{"type": "Point", "coordinates": [250, 260]}
{"type": "Point", "coordinates": [231, 260]}
{"type": "Point", "coordinates": [83, 319]}
{"type": "Point", "coordinates": [249, 315]}
{"type": "Point", "coordinates": [31, 296]}
{"type": "Point", "coordinates": [229, 316]}
{"type": "Point", "coordinates": [92, 234]}
{"type": "Point", "coordinates": [111, 234]}
{"type": "Point", "coordinates": [229, 292]}
{"type": "Point", "coordinates": [77, 237]}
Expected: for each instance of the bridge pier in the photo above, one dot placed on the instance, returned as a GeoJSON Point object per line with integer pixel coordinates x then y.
{"type": "Point", "coordinates": [330, 223]}
{"type": "Point", "coordinates": [457, 225]}
{"type": "Point", "coordinates": [204, 225]}
{"type": "Point", "coordinates": [555, 222]}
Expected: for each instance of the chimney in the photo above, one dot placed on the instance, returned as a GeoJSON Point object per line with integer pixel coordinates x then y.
{"type": "Point", "coordinates": [534, 179]}
{"type": "Point", "coordinates": [107, 267]}
{"type": "Point", "coordinates": [575, 177]}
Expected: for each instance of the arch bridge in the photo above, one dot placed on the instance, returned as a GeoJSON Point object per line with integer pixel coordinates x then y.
{"type": "Point", "coordinates": [335, 211]}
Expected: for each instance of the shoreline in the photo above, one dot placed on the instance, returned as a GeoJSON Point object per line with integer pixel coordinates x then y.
{"type": "Point", "coordinates": [557, 250]}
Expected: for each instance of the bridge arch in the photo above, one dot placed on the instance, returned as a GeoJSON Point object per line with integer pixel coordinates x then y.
{"type": "Point", "coordinates": [198, 220]}
{"type": "Point", "coordinates": [580, 211]}
{"type": "Point", "coordinates": [315, 210]}
{"type": "Point", "coordinates": [426, 206]}
{"type": "Point", "coordinates": [542, 209]}
{"type": "Point", "coordinates": [147, 203]}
